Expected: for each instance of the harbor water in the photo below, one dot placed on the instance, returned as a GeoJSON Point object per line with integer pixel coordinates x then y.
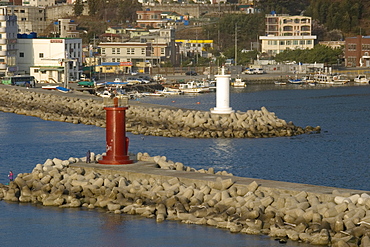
{"type": "Point", "coordinates": [338, 156]}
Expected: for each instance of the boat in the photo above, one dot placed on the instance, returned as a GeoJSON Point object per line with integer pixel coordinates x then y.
{"type": "Point", "coordinates": [154, 94]}
{"type": "Point", "coordinates": [239, 83]}
{"type": "Point", "coordinates": [49, 87]}
{"type": "Point", "coordinates": [171, 91]}
{"type": "Point", "coordinates": [361, 79]}
{"type": "Point", "coordinates": [194, 87]}
{"type": "Point", "coordinates": [295, 81]}
{"type": "Point", "coordinates": [63, 89]}
{"type": "Point", "coordinates": [330, 79]}
{"type": "Point", "coordinates": [280, 82]}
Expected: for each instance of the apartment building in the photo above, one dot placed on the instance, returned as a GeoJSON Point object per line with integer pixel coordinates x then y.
{"type": "Point", "coordinates": [149, 18]}
{"type": "Point", "coordinates": [287, 32]}
{"type": "Point", "coordinates": [48, 59]}
{"type": "Point", "coordinates": [8, 40]}
{"type": "Point", "coordinates": [139, 54]}
{"type": "Point", "coordinates": [357, 51]}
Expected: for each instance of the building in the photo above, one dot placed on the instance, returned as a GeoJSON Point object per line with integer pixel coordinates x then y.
{"type": "Point", "coordinates": [8, 40]}
{"type": "Point", "coordinates": [38, 3]}
{"type": "Point", "coordinates": [287, 32]}
{"type": "Point", "coordinates": [139, 54]}
{"type": "Point", "coordinates": [67, 28]}
{"type": "Point", "coordinates": [357, 51]}
{"type": "Point", "coordinates": [191, 47]}
{"type": "Point", "coordinates": [149, 18]}
{"type": "Point", "coordinates": [50, 59]}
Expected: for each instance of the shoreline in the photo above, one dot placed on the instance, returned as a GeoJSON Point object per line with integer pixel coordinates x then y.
{"type": "Point", "coordinates": [147, 119]}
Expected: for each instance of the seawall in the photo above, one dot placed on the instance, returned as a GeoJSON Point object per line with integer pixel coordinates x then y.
{"type": "Point", "coordinates": [147, 119]}
{"type": "Point", "coordinates": [161, 189]}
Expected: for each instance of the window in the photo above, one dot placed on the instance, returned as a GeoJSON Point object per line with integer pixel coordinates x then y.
{"type": "Point", "coordinates": [162, 51]}
{"type": "Point", "coordinates": [113, 60]}
{"type": "Point", "coordinates": [118, 50]}
{"type": "Point", "coordinates": [21, 54]}
{"type": "Point", "coordinates": [282, 42]}
{"type": "Point", "coordinates": [302, 42]}
{"type": "Point", "coordinates": [288, 42]}
{"type": "Point", "coordinates": [118, 60]}
{"type": "Point", "coordinates": [41, 55]}
{"type": "Point", "coordinates": [36, 70]}
{"type": "Point", "coordinates": [130, 51]}
{"type": "Point", "coordinates": [102, 50]}
{"type": "Point", "coordinates": [113, 50]}
{"type": "Point", "coordinates": [142, 51]}
{"type": "Point", "coordinates": [295, 42]}
{"type": "Point", "coordinates": [309, 42]}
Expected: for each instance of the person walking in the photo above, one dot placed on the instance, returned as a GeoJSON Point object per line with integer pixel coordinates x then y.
{"type": "Point", "coordinates": [10, 176]}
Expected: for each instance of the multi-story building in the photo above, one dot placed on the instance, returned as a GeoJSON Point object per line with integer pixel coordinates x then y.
{"type": "Point", "coordinates": [31, 19]}
{"type": "Point", "coordinates": [140, 53]}
{"type": "Point", "coordinates": [149, 18]}
{"type": "Point", "coordinates": [48, 59]}
{"type": "Point", "coordinates": [39, 3]}
{"type": "Point", "coordinates": [191, 47]}
{"type": "Point", "coordinates": [67, 28]}
{"type": "Point", "coordinates": [287, 32]}
{"type": "Point", "coordinates": [357, 51]}
{"type": "Point", "coordinates": [8, 40]}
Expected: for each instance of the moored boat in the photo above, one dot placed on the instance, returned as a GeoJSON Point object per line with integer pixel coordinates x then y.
{"type": "Point", "coordinates": [361, 79]}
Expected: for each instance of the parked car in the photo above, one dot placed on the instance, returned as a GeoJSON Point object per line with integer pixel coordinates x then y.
{"type": "Point", "coordinates": [248, 71]}
{"type": "Point", "coordinates": [191, 72]}
{"type": "Point", "coordinates": [259, 71]}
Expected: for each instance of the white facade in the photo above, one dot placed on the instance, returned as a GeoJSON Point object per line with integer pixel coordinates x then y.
{"type": "Point", "coordinates": [8, 40]}
{"type": "Point", "coordinates": [275, 44]}
{"type": "Point", "coordinates": [45, 58]}
{"type": "Point", "coordinates": [287, 32]}
{"type": "Point", "coordinates": [39, 3]}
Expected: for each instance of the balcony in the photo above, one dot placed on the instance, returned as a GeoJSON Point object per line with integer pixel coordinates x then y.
{"type": "Point", "coordinates": [2, 29]}
{"type": "Point", "coordinates": [2, 41]}
{"type": "Point", "coordinates": [2, 53]}
{"type": "Point", "coordinates": [2, 66]}
{"type": "Point", "coordinates": [2, 18]}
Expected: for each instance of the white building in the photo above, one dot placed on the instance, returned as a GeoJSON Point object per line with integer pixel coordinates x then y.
{"type": "Point", "coordinates": [39, 3]}
{"type": "Point", "coordinates": [287, 32]}
{"type": "Point", "coordinates": [8, 40]}
{"type": "Point", "coordinates": [45, 58]}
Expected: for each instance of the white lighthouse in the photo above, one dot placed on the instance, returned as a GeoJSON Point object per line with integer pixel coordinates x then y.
{"type": "Point", "coordinates": [222, 94]}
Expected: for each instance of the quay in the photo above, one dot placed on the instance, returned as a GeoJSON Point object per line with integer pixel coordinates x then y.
{"type": "Point", "coordinates": [157, 188]}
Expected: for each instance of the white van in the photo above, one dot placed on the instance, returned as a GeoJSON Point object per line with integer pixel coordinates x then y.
{"type": "Point", "coordinates": [259, 71]}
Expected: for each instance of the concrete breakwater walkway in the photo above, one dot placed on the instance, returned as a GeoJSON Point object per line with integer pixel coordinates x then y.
{"type": "Point", "coordinates": [158, 188]}
{"type": "Point", "coordinates": [147, 119]}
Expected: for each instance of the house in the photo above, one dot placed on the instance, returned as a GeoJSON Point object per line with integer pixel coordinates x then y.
{"type": "Point", "coordinates": [190, 47]}
{"type": "Point", "coordinates": [148, 18]}
{"type": "Point", "coordinates": [286, 32]}
{"type": "Point", "coordinates": [46, 58]}
{"type": "Point", "coordinates": [357, 51]}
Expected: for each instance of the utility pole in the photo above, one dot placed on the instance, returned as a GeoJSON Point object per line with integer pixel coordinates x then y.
{"type": "Point", "coordinates": [236, 44]}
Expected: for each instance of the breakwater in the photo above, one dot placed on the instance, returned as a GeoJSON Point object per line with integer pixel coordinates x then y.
{"type": "Point", "coordinates": [148, 119]}
{"type": "Point", "coordinates": [161, 189]}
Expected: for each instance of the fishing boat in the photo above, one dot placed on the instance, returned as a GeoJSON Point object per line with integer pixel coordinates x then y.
{"type": "Point", "coordinates": [194, 87]}
{"type": "Point", "coordinates": [239, 83]}
{"type": "Point", "coordinates": [49, 87]}
{"type": "Point", "coordinates": [361, 79]}
{"type": "Point", "coordinates": [171, 91]}
{"type": "Point", "coordinates": [280, 82]}
{"type": "Point", "coordinates": [63, 89]}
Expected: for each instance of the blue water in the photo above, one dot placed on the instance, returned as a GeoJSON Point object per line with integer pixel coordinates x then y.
{"type": "Point", "coordinates": [338, 157]}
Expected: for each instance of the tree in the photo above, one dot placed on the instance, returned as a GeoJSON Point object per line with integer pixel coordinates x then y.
{"type": "Point", "coordinates": [78, 8]}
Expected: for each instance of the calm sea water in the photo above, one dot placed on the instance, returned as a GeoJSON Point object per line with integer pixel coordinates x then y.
{"type": "Point", "coordinates": [338, 157]}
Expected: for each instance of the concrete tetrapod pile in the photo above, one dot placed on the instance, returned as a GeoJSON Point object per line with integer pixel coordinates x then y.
{"type": "Point", "coordinates": [141, 119]}
{"type": "Point", "coordinates": [336, 219]}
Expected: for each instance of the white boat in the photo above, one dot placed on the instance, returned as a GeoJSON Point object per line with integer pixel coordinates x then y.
{"type": "Point", "coordinates": [239, 83]}
{"type": "Point", "coordinates": [194, 87]}
{"type": "Point", "coordinates": [154, 94]}
{"type": "Point", "coordinates": [361, 79]}
{"type": "Point", "coordinates": [49, 87]}
{"type": "Point", "coordinates": [330, 79]}
{"type": "Point", "coordinates": [280, 82]}
{"type": "Point", "coordinates": [171, 91]}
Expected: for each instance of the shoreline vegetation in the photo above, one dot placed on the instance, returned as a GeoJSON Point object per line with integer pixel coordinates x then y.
{"type": "Point", "coordinates": [148, 119]}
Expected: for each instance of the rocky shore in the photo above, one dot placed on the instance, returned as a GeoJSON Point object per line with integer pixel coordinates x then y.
{"type": "Point", "coordinates": [148, 119]}
{"type": "Point", "coordinates": [331, 219]}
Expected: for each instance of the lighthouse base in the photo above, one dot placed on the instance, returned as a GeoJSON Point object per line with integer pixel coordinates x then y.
{"type": "Point", "coordinates": [216, 110]}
